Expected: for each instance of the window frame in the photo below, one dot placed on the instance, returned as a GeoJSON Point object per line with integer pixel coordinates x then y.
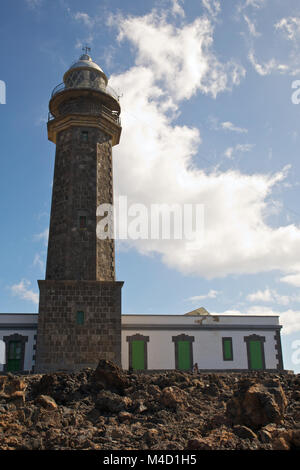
{"type": "Point", "coordinates": [80, 317]}
{"type": "Point", "coordinates": [84, 136]}
{"type": "Point", "coordinates": [82, 217]}
{"type": "Point", "coordinates": [224, 339]}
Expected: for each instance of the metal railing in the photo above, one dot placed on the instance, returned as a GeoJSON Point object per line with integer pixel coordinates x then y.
{"type": "Point", "coordinates": [108, 90]}
{"type": "Point", "coordinates": [106, 111]}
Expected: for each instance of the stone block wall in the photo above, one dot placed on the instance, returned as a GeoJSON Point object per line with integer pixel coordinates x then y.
{"type": "Point", "coordinates": [82, 181]}
{"type": "Point", "coordinates": [62, 344]}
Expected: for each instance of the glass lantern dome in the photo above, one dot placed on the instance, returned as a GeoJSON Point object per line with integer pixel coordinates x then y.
{"type": "Point", "coordinates": [85, 73]}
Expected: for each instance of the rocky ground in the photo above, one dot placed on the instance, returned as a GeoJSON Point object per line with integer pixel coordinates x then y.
{"type": "Point", "coordinates": [110, 409]}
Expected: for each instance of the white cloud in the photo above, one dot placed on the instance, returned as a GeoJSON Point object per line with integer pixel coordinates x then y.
{"type": "Point", "coordinates": [212, 6]}
{"type": "Point", "coordinates": [227, 125]}
{"type": "Point", "coordinates": [38, 261]}
{"type": "Point", "coordinates": [290, 320]}
{"type": "Point", "coordinates": [272, 296]}
{"type": "Point", "coordinates": [34, 3]}
{"type": "Point", "coordinates": [85, 18]}
{"type": "Point", "coordinates": [252, 3]}
{"type": "Point", "coordinates": [160, 155]}
{"type": "Point", "coordinates": [290, 27]}
{"type": "Point", "coordinates": [212, 294]}
{"type": "Point", "coordinates": [239, 148]}
{"type": "Point", "coordinates": [268, 67]}
{"type": "Point", "coordinates": [251, 27]}
{"type": "Point", "coordinates": [177, 8]}
{"type": "Point", "coordinates": [293, 279]}
{"type": "Point", "coordinates": [23, 291]}
{"type": "Point", "coordinates": [256, 3]}
{"type": "Point", "coordinates": [182, 57]}
{"type": "Point", "coordinates": [43, 236]}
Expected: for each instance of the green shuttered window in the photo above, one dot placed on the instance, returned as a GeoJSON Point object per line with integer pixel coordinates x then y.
{"type": "Point", "coordinates": [227, 349]}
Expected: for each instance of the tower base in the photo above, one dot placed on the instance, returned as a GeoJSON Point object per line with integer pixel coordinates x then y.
{"type": "Point", "coordinates": [79, 323]}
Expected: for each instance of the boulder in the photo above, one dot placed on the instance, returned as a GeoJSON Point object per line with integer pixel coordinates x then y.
{"type": "Point", "coordinates": [10, 384]}
{"type": "Point", "coordinates": [151, 435]}
{"type": "Point", "coordinates": [280, 443]}
{"type": "Point", "coordinates": [112, 402]}
{"type": "Point", "coordinates": [125, 416]}
{"type": "Point", "coordinates": [46, 402]}
{"type": "Point", "coordinates": [243, 432]}
{"type": "Point", "coordinates": [257, 404]}
{"type": "Point", "coordinates": [295, 440]}
{"type": "Point", "coordinates": [199, 444]}
{"type": "Point", "coordinates": [109, 376]}
{"type": "Point", "coordinates": [47, 384]}
{"type": "Point", "coordinates": [173, 397]}
{"type": "Point", "coordinates": [17, 397]}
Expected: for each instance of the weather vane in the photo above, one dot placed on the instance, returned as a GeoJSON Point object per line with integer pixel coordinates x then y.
{"type": "Point", "coordinates": [86, 49]}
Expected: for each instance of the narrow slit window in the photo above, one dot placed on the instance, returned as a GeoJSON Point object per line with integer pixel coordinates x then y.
{"type": "Point", "coordinates": [80, 318]}
{"type": "Point", "coordinates": [84, 136]}
{"type": "Point", "coordinates": [227, 349]}
{"type": "Point", "coordinates": [82, 221]}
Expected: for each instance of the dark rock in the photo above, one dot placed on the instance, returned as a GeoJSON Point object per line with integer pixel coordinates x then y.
{"type": "Point", "coordinates": [46, 402]}
{"type": "Point", "coordinates": [110, 376]}
{"type": "Point", "coordinates": [173, 397]}
{"type": "Point", "coordinates": [112, 402]}
{"type": "Point", "coordinates": [199, 444]}
{"type": "Point", "coordinates": [115, 410]}
{"type": "Point", "coordinates": [296, 395]}
{"type": "Point", "coordinates": [125, 416]}
{"type": "Point", "coordinates": [10, 385]}
{"type": "Point", "coordinates": [257, 404]}
{"type": "Point", "coordinates": [244, 432]}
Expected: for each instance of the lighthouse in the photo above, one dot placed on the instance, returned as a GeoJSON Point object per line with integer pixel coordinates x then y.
{"type": "Point", "coordinates": [79, 319]}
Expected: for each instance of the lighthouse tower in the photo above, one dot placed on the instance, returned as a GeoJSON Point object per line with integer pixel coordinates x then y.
{"type": "Point", "coordinates": [80, 300]}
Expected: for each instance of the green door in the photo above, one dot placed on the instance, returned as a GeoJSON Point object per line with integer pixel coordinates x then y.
{"type": "Point", "coordinates": [14, 356]}
{"type": "Point", "coordinates": [138, 354]}
{"type": "Point", "coordinates": [256, 355]}
{"type": "Point", "coordinates": [184, 355]}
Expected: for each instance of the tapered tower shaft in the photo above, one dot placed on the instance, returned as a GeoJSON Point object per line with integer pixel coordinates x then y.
{"type": "Point", "coordinates": [80, 301]}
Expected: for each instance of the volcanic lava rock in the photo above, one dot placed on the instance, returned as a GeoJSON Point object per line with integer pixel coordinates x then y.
{"type": "Point", "coordinates": [112, 409]}
{"type": "Point", "coordinates": [46, 402]}
{"type": "Point", "coordinates": [112, 402]}
{"type": "Point", "coordinates": [173, 397]}
{"type": "Point", "coordinates": [110, 376]}
{"type": "Point", "coordinates": [256, 404]}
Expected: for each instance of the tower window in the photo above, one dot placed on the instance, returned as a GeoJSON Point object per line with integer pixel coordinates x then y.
{"type": "Point", "coordinates": [227, 349]}
{"type": "Point", "coordinates": [80, 318]}
{"type": "Point", "coordinates": [84, 136]}
{"type": "Point", "coordinates": [82, 221]}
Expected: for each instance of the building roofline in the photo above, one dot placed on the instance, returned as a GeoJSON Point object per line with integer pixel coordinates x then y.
{"type": "Point", "coordinates": [172, 315]}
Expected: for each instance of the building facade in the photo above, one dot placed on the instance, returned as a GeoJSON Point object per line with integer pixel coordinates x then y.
{"type": "Point", "coordinates": [166, 342]}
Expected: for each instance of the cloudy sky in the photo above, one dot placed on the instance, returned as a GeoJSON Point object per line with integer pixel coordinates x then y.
{"type": "Point", "coordinates": [208, 93]}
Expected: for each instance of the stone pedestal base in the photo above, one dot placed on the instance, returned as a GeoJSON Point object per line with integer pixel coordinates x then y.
{"type": "Point", "coordinates": [65, 344]}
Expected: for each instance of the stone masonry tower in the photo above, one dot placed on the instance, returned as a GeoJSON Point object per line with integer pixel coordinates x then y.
{"type": "Point", "coordinates": [80, 300]}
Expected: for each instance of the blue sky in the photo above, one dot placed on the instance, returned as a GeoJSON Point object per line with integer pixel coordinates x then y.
{"type": "Point", "coordinates": [207, 117]}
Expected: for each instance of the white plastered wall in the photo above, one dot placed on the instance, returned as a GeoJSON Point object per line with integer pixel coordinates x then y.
{"type": "Point", "coordinates": [207, 348]}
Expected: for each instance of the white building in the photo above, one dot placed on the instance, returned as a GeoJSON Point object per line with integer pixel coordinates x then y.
{"type": "Point", "coordinates": [162, 342]}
